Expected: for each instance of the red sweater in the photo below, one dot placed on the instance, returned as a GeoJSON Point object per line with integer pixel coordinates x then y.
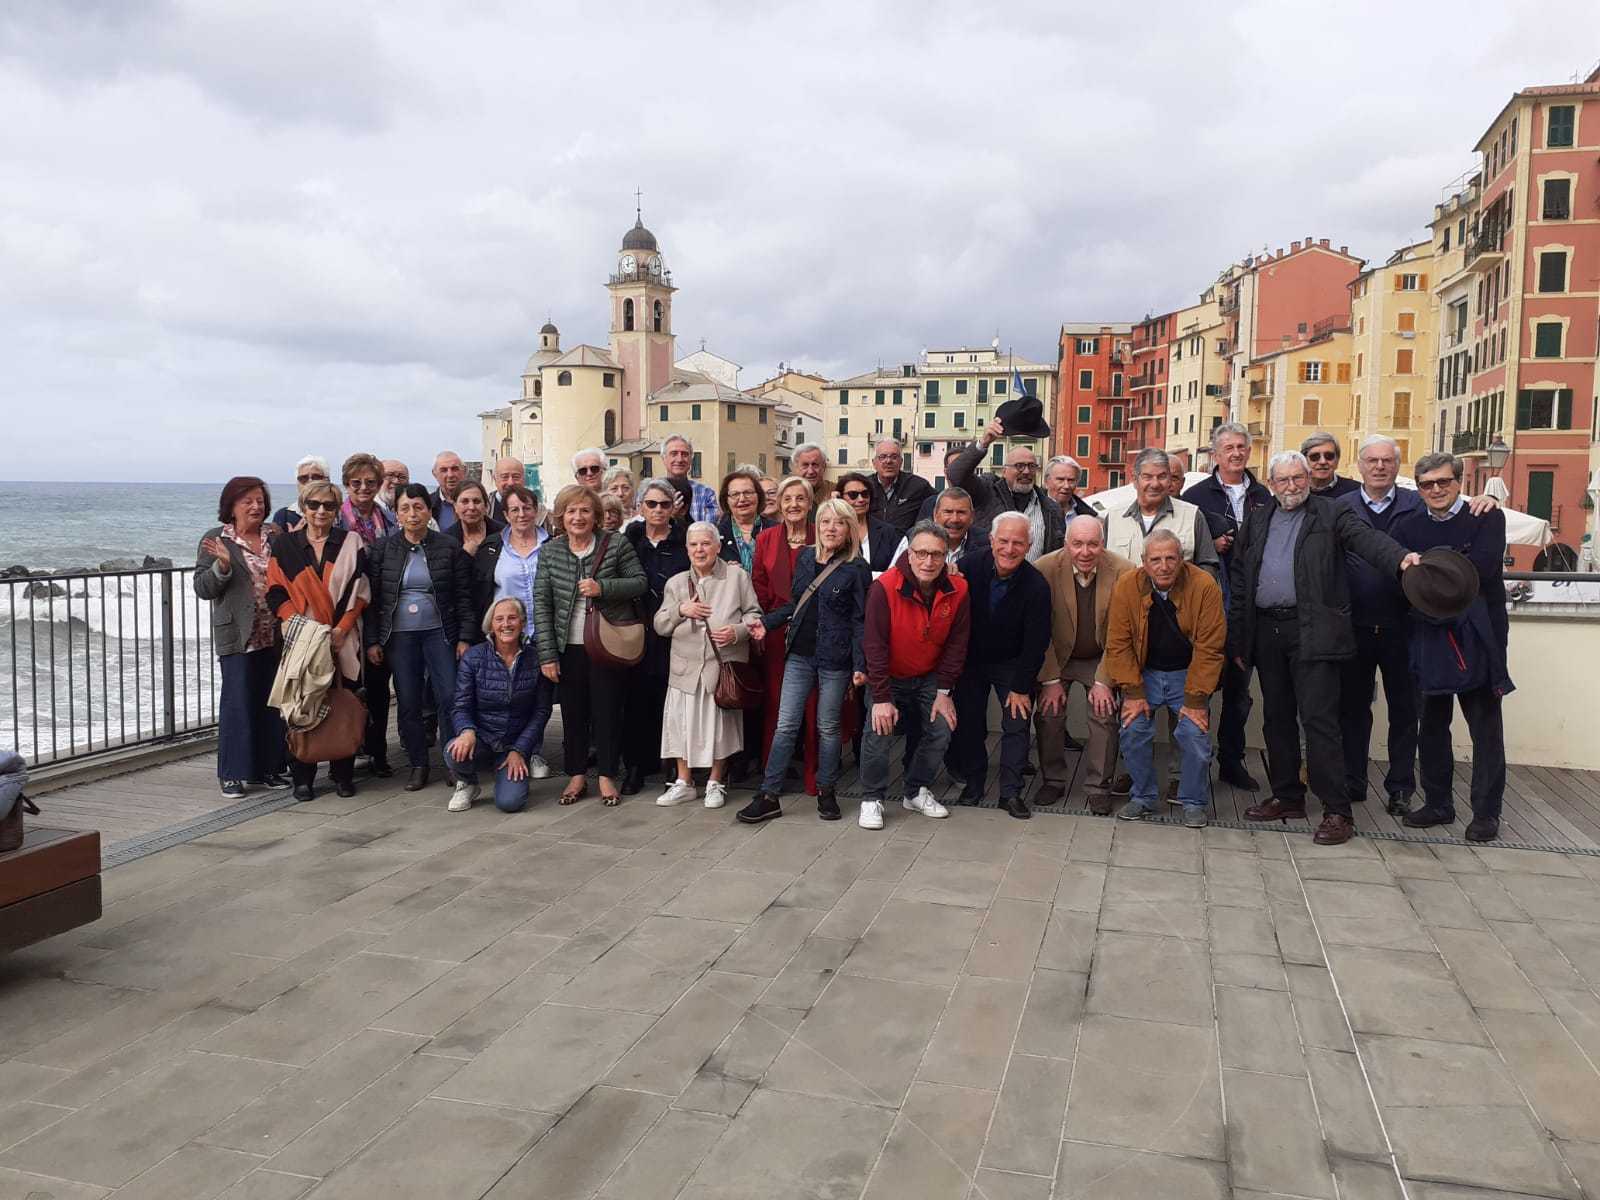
{"type": "Point", "coordinates": [909, 634]}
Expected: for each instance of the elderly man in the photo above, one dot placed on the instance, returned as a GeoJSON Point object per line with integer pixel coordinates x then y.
{"type": "Point", "coordinates": [310, 469]}
{"type": "Point", "coordinates": [1015, 491]}
{"type": "Point", "coordinates": [1154, 508]}
{"type": "Point", "coordinates": [918, 621]}
{"type": "Point", "coordinates": [1480, 636]}
{"type": "Point", "coordinates": [589, 467]}
{"type": "Point", "coordinates": [1177, 471]}
{"type": "Point", "coordinates": [1322, 453]}
{"type": "Point", "coordinates": [1165, 635]}
{"type": "Point", "coordinates": [395, 476]}
{"type": "Point", "coordinates": [1010, 604]}
{"type": "Point", "coordinates": [897, 495]}
{"type": "Point", "coordinates": [1061, 476]}
{"type": "Point", "coordinates": [951, 453]}
{"type": "Point", "coordinates": [696, 501]}
{"type": "Point", "coordinates": [953, 514]}
{"type": "Point", "coordinates": [450, 473]}
{"type": "Point", "coordinates": [1228, 496]}
{"type": "Point", "coordinates": [811, 464]}
{"type": "Point", "coordinates": [508, 472]}
{"type": "Point", "coordinates": [1289, 617]}
{"type": "Point", "coordinates": [1081, 576]}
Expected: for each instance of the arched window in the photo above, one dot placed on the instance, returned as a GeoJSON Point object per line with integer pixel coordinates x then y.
{"type": "Point", "coordinates": [538, 387]}
{"type": "Point", "coordinates": [564, 379]}
{"type": "Point", "coordinates": [627, 316]}
{"type": "Point", "coordinates": [611, 427]}
{"type": "Point", "coordinates": [659, 311]}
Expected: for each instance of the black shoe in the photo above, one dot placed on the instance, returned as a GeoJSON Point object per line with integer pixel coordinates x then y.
{"type": "Point", "coordinates": [827, 804]}
{"type": "Point", "coordinates": [1482, 829]}
{"type": "Point", "coordinates": [1029, 769]}
{"type": "Point", "coordinates": [1399, 804]}
{"type": "Point", "coordinates": [277, 779]}
{"type": "Point", "coordinates": [380, 769]}
{"type": "Point", "coordinates": [1016, 806]}
{"type": "Point", "coordinates": [303, 792]}
{"type": "Point", "coordinates": [633, 781]}
{"type": "Point", "coordinates": [233, 789]}
{"type": "Point", "coordinates": [763, 808]}
{"type": "Point", "coordinates": [418, 780]}
{"type": "Point", "coordinates": [1427, 816]}
{"type": "Point", "coordinates": [344, 790]}
{"type": "Point", "coordinates": [972, 796]}
{"type": "Point", "coordinates": [1235, 774]}
{"type": "Point", "coordinates": [1122, 785]}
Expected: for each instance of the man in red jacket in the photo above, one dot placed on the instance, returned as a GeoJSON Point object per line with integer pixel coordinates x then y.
{"type": "Point", "coordinates": [916, 643]}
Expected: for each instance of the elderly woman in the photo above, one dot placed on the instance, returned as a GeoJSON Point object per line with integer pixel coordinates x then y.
{"type": "Point", "coordinates": [618, 482]}
{"type": "Point", "coordinates": [769, 499]}
{"type": "Point", "coordinates": [777, 551]}
{"type": "Point", "coordinates": [365, 517]}
{"type": "Point", "coordinates": [310, 469]}
{"type": "Point", "coordinates": [741, 519]}
{"type": "Point", "coordinates": [612, 514]}
{"type": "Point", "coordinates": [826, 657]}
{"type": "Point", "coordinates": [658, 542]}
{"type": "Point", "coordinates": [231, 572]}
{"type": "Point", "coordinates": [419, 619]}
{"type": "Point", "coordinates": [320, 572]}
{"type": "Point", "coordinates": [502, 703]}
{"type": "Point", "coordinates": [473, 524]}
{"type": "Point", "coordinates": [878, 539]}
{"type": "Point", "coordinates": [711, 614]}
{"type": "Point", "coordinates": [579, 567]}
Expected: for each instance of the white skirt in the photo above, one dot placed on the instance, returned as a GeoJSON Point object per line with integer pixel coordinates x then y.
{"type": "Point", "coordinates": [695, 729]}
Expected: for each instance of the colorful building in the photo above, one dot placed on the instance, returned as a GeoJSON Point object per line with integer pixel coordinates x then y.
{"type": "Point", "coordinates": [1299, 390]}
{"type": "Point", "coordinates": [1094, 364]}
{"type": "Point", "coordinates": [1392, 318]}
{"type": "Point", "coordinates": [1147, 387]}
{"type": "Point", "coordinates": [1197, 380]}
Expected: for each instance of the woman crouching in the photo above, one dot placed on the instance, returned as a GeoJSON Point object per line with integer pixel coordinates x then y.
{"type": "Point", "coordinates": [498, 710]}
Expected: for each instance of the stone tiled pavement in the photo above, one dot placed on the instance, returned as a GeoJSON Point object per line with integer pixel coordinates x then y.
{"type": "Point", "coordinates": [376, 998]}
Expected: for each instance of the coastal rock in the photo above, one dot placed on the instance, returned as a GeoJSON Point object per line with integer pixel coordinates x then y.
{"type": "Point", "coordinates": [16, 571]}
{"type": "Point", "coordinates": [151, 560]}
{"type": "Point", "coordinates": [120, 564]}
{"type": "Point", "coordinates": [43, 591]}
{"type": "Point", "coordinates": [72, 571]}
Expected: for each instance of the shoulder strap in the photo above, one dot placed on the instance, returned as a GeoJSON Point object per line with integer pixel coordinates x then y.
{"type": "Point", "coordinates": [695, 596]}
{"type": "Point", "coordinates": [805, 597]}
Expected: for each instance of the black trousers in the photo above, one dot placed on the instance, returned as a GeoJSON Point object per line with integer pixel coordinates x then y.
{"type": "Point", "coordinates": [1386, 650]}
{"type": "Point", "coordinates": [341, 770]}
{"type": "Point", "coordinates": [641, 722]}
{"type": "Point", "coordinates": [376, 682]}
{"type": "Point", "coordinates": [1292, 687]}
{"type": "Point", "coordinates": [1481, 708]}
{"type": "Point", "coordinates": [591, 711]}
{"type": "Point", "coordinates": [1236, 705]}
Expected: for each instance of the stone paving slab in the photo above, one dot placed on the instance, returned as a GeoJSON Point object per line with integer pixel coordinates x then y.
{"type": "Point", "coordinates": [380, 998]}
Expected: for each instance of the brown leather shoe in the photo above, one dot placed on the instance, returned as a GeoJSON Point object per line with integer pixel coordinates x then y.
{"type": "Point", "coordinates": [1275, 809]}
{"type": "Point", "coordinates": [1101, 805]}
{"type": "Point", "coordinates": [1049, 793]}
{"type": "Point", "coordinates": [1334, 830]}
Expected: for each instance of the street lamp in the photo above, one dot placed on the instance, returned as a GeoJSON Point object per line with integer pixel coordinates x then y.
{"type": "Point", "coordinates": [1497, 452]}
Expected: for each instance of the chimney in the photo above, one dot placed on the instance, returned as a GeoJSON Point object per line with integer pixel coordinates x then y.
{"type": "Point", "coordinates": [1344, 249]}
{"type": "Point", "coordinates": [1322, 242]}
{"type": "Point", "coordinates": [1294, 247]}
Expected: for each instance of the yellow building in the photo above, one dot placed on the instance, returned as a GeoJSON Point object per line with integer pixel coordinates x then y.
{"type": "Point", "coordinates": [800, 397]}
{"type": "Point", "coordinates": [1197, 378]}
{"type": "Point", "coordinates": [1452, 299]}
{"type": "Point", "coordinates": [1392, 320]}
{"type": "Point", "coordinates": [1299, 390]}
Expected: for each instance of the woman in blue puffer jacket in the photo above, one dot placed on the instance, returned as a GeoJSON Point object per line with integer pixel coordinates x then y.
{"type": "Point", "coordinates": [499, 710]}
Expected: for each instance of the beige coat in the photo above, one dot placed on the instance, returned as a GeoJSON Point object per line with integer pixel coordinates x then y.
{"type": "Point", "coordinates": [727, 589]}
{"type": "Point", "coordinates": [1056, 567]}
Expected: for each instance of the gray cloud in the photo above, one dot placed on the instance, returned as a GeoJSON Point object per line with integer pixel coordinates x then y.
{"type": "Point", "coordinates": [224, 228]}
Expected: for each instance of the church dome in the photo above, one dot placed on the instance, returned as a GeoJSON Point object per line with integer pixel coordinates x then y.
{"type": "Point", "coordinates": [639, 238]}
{"type": "Point", "coordinates": [548, 327]}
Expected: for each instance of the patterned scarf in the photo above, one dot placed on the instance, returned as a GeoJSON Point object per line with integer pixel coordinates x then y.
{"type": "Point", "coordinates": [369, 530]}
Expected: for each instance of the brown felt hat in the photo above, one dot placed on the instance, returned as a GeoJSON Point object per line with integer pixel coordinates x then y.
{"type": "Point", "coordinates": [1443, 585]}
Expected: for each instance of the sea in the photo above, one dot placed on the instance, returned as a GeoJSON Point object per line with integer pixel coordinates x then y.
{"type": "Point", "coordinates": [84, 662]}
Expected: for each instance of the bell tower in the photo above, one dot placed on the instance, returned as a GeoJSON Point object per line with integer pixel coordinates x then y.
{"type": "Point", "coordinates": [642, 340]}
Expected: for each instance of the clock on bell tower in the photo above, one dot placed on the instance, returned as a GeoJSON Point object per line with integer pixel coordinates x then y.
{"type": "Point", "coordinates": [642, 340]}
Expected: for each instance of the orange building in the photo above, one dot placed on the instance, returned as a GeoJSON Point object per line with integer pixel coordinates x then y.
{"type": "Point", "coordinates": [1092, 397]}
{"type": "Point", "coordinates": [1147, 415]}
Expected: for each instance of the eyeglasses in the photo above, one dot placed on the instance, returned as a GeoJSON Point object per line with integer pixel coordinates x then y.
{"type": "Point", "coordinates": [744, 495]}
{"type": "Point", "coordinates": [1435, 485]}
{"type": "Point", "coordinates": [588, 470]}
{"type": "Point", "coordinates": [362, 485]}
{"type": "Point", "coordinates": [322, 505]}
{"type": "Point", "coordinates": [1323, 456]}
{"type": "Point", "coordinates": [926, 555]}
{"type": "Point", "coordinates": [308, 478]}
{"type": "Point", "coordinates": [857, 495]}
{"type": "Point", "coordinates": [655, 504]}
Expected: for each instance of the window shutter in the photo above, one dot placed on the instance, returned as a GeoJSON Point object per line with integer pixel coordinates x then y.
{"type": "Point", "coordinates": [1324, 372]}
{"type": "Point", "coordinates": [1399, 282]}
{"type": "Point", "coordinates": [1524, 408]}
{"type": "Point", "coordinates": [1422, 283]}
{"type": "Point", "coordinates": [1344, 372]}
{"type": "Point", "coordinates": [1564, 408]}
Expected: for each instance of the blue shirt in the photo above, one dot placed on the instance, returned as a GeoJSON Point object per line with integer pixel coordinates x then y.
{"type": "Point", "coordinates": [417, 610]}
{"type": "Point", "coordinates": [514, 573]}
{"type": "Point", "coordinates": [1380, 504]}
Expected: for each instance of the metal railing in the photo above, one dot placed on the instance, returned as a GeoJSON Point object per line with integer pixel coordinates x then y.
{"type": "Point", "coordinates": [99, 661]}
{"type": "Point", "coordinates": [1468, 441]}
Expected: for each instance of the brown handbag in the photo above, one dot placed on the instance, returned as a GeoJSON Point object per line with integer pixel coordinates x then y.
{"type": "Point", "coordinates": [12, 825]}
{"type": "Point", "coordinates": [611, 643]}
{"type": "Point", "coordinates": [338, 735]}
{"type": "Point", "coordinates": [739, 684]}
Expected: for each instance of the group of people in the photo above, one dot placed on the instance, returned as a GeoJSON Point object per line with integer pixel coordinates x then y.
{"type": "Point", "coordinates": [878, 609]}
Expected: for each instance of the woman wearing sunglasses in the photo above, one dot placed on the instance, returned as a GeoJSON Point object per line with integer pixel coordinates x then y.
{"type": "Point", "coordinates": [319, 572]}
{"type": "Point", "coordinates": [658, 543]}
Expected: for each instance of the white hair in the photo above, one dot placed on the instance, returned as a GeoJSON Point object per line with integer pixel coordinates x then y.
{"type": "Point", "coordinates": [807, 448]}
{"type": "Point", "coordinates": [1064, 460]}
{"type": "Point", "coordinates": [1229, 429]}
{"type": "Point", "coordinates": [705, 527]}
{"type": "Point", "coordinates": [1377, 439]}
{"type": "Point", "coordinates": [488, 617]}
{"type": "Point", "coordinates": [313, 460]}
{"type": "Point", "coordinates": [588, 452]}
{"type": "Point", "coordinates": [1286, 458]}
{"type": "Point", "coordinates": [1012, 516]}
{"type": "Point", "coordinates": [676, 437]}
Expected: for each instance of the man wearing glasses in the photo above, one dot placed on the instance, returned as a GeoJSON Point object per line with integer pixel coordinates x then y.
{"type": "Point", "coordinates": [395, 476]}
{"type": "Point", "coordinates": [1322, 456]}
{"type": "Point", "coordinates": [696, 501]}
{"type": "Point", "coordinates": [589, 467]}
{"type": "Point", "coordinates": [897, 495]}
{"type": "Point", "coordinates": [1016, 490]}
{"type": "Point", "coordinates": [312, 468]}
{"type": "Point", "coordinates": [450, 473]}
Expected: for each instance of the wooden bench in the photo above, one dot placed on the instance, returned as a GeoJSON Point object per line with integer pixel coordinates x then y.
{"type": "Point", "coordinates": [50, 884]}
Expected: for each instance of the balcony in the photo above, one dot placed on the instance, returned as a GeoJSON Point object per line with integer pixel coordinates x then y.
{"type": "Point", "coordinates": [1257, 429]}
{"type": "Point", "coordinates": [1258, 389]}
{"type": "Point", "coordinates": [1338, 323]}
{"type": "Point", "coordinates": [1469, 441]}
{"type": "Point", "coordinates": [1229, 303]}
{"type": "Point", "coordinates": [1107, 459]}
{"type": "Point", "coordinates": [1486, 251]}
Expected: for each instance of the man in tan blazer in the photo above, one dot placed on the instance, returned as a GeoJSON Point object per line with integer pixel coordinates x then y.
{"type": "Point", "coordinates": [1081, 576]}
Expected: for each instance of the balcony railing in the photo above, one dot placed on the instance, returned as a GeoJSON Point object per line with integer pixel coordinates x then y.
{"type": "Point", "coordinates": [1229, 303]}
{"type": "Point", "coordinates": [1258, 388]}
{"type": "Point", "coordinates": [1469, 441]}
{"type": "Point", "coordinates": [1485, 251]}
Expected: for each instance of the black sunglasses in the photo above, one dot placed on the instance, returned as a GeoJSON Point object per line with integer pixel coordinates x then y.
{"type": "Point", "coordinates": [655, 503]}
{"type": "Point", "coordinates": [322, 505]}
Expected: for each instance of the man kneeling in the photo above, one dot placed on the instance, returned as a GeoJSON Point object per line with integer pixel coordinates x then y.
{"type": "Point", "coordinates": [1164, 640]}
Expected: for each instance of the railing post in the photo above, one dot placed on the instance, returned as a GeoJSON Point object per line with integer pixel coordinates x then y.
{"type": "Point", "coordinates": [169, 675]}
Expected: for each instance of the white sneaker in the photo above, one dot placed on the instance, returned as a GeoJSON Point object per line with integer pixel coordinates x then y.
{"type": "Point", "coordinates": [681, 792]}
{"type": "Point", "coordinates": [538, 768]}
{"type": "Point", "coordinates": [716, 793]}
{"type": "Point", "coordinates": [461, 799]}
{"type": "Point", "coordinates": [924, 803]}
{"type": "Point", "coordinates": [871, 814]}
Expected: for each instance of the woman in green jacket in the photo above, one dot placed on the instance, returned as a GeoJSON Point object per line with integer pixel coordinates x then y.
{"type": "Point", "coordinates": [578, 567]}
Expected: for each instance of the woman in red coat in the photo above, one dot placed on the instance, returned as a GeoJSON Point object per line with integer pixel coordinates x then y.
{"type": "Point", "coordinates": [773, 572]}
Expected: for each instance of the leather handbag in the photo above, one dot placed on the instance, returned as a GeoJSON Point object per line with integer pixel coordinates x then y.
{"type": "Point", "coordinates": [338, 735]}
{"type": "Point", "coordinates": [740, 686]}
{"type": "Point", "coordinates": [11, 825]}
{"type": "Point", "coordinates": [611, 643]}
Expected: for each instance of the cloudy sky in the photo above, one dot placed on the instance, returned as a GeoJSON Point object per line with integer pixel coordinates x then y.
{"type": "Point", "coordinates": [232, 231]}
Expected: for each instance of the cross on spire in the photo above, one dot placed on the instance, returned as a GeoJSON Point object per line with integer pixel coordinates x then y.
{"type": "Point", "coordinates": [638, 204]}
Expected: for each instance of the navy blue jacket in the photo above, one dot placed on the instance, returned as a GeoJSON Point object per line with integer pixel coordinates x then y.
{"type": "Point", "coordinates": [1007, 642]}
{"type": "Point", "coordinates": [1376, 601]}
{"type": "Point", "coordinates": [1481, 539]}
{"type": "Point", "coordinates": [883, 539]}
{"type": "Point", "coordinates": [660, 564]}
{"type": "Point", "coordinates": [841, 606]}
{"type": "Point", "coordinates": [497, 703]}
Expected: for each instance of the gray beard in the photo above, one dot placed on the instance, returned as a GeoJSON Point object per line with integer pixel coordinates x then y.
{"type": "Point", "coordinates": [1290, 503]}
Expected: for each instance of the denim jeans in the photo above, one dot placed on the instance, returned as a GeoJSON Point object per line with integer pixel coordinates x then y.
{"type": "Point", "coordinates": [509, 795]}
{"type": "Point", "coordinates": [914, 698]}
{"type": "Point", "coordinates": [800, 675]}
{"type": "Point", "coordinates": [421, 662]}
{"type": "Point", "coordinates": [1164, 689]}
